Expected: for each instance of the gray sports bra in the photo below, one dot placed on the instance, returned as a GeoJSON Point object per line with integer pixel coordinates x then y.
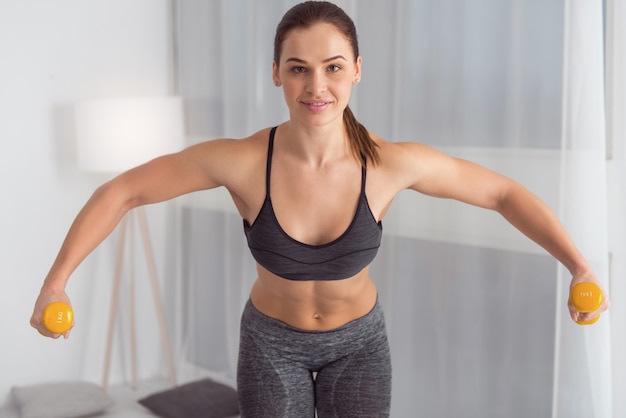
{"type": "Point", "coordinates": [288, 258]}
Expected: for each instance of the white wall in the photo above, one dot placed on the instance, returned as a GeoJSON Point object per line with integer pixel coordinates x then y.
{"type": "Point", "coordinates": [53, 54]}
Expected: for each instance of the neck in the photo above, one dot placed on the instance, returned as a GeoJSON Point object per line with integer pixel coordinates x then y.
{"type": "Point", "coordinates": [317, 145]}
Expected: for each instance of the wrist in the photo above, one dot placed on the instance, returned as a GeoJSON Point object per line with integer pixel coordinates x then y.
{"type": "Point", "coordinates": [54, 284]}
{"type": "Point", "coordinates": [582, 272]}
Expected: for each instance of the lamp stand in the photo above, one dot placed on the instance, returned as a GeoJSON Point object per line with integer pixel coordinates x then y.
{"type": "Point", "coordinates": [124, 234]}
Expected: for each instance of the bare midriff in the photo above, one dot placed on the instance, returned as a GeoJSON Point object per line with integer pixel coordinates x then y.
{"type": "Point", "coordinates": [315, 305]}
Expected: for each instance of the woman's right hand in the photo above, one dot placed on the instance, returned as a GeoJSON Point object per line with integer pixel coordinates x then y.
{"type": "Point", "coordinates": [46, 297]}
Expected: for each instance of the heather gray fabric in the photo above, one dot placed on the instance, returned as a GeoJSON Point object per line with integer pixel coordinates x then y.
{"type": "Point", "coordinates": [344, 257]}
{"type": "Point", "coordinates": [286, 372]}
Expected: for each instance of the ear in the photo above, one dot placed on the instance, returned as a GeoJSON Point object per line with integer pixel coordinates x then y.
{"type": "Point", "coordinates": [275, 75]}
{"type": "Point", "coordinates": [357, 70]}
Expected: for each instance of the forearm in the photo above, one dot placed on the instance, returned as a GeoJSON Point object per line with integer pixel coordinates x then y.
{"type": "Point", "coordinates": [536, 220]}
{"type": "Point", "coordinates": [102, 212]}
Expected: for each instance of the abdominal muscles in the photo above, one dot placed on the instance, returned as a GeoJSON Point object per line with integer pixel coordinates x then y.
{"type": "Point", "coordinates": [315, 305]}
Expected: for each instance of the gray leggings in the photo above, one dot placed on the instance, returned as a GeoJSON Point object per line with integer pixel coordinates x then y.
{"type": "Point", "coordinates": [286, 372]}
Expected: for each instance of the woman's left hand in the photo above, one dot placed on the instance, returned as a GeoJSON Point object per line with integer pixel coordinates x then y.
{"type": "Point", "coordinates": [587, 316]}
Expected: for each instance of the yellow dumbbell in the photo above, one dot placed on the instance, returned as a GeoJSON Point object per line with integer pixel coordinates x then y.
{"type": "Point", "coordinates": [58, 317]}
{"type": "Point", "coordinates": [586, 297]}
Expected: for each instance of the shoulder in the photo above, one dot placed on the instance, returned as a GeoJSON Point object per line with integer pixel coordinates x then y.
{"type": "Point", "coordinates": [420, 167]}
{"type": "Point", "coordinates": [228, 160]}
{"type": "Point", "coordinates": [402, 150]}
{"type": "Point", "coordinates": [236, 151]}
{"type": "Point", "coordinates": [425, 169]}
{"type": "Point", "coordinates": [228, 147]}
{"type": "Point", "coordinates": [408, 160]}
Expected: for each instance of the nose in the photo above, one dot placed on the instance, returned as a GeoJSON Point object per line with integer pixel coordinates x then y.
{"type": "Point", "coordinates": [317, 82]}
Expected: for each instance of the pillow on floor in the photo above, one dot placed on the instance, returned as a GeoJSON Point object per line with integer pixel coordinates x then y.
{"type": "Point", "coordinates": [200, 399]}
{"type": "Point", "coordinates": [60, 400]}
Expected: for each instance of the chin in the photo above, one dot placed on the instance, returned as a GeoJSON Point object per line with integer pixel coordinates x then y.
{"type": "Point", "coordinates": [318, 119]}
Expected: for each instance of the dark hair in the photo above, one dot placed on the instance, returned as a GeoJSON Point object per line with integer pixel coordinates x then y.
{"type": "Point", "coordinates": [305, 15]}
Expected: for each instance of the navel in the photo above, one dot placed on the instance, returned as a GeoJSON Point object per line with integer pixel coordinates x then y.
{"type": "Point", "coordinates": [317, 315]}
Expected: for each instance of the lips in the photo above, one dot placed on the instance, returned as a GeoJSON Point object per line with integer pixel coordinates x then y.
{"type": "Point", "coordinates": [316, 105]}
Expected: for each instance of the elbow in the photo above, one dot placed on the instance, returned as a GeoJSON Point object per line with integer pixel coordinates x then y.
{"type": "Point", "coordinates": [115, 195]}
{"type": "Point", "coordinates": [507, 196]}
{"type": "Point", "coordinates": [515, 201]}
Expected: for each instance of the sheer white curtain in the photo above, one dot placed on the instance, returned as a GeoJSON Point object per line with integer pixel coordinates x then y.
{"type": "Point", "coordinates": [616, 134]}
{"type": "Point", "coordinates": [582, 360]}
{"type": "Point", "coordinates": [476, 312]}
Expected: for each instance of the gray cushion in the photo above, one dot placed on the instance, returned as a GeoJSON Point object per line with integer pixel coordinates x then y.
{"type": "Point", "coordinates": [200, 399]}
{"type": "Point", "coordinates": [60, 400]}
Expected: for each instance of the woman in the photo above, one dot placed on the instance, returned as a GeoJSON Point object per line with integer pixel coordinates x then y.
{"type": "Point", "coordinates": [312, 193]}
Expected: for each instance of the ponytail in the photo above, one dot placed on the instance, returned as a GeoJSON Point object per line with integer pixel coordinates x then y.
{"type": "Point", "coordinates": [361, 142]}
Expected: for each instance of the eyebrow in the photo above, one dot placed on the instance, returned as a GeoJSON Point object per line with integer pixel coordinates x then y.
{"type": "Point", "coordinates": [301, 61]}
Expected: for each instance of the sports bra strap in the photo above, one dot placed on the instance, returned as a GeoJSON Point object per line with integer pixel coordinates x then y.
{"type": "Point", "coordinates": [363, 175]}
{"type": "Point", "coordinates": [268, 169]}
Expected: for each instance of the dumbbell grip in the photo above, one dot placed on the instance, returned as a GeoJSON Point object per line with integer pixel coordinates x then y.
{"type": "Point", "coordinates": [586, 297]}
{"type": "Point", "coordinates": [58, 317]}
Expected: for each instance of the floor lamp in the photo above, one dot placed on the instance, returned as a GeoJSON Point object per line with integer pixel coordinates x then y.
{"type": "Point", "coordinates": [114, 135]}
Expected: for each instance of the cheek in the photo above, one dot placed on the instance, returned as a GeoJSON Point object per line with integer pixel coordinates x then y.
{"type": "Point", "coordinates": [344, 89]}
{"type": "Point", "coordinates": [291, 88]}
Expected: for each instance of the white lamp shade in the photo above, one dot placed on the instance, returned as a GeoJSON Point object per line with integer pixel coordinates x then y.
{"type": "Point", "coordinates": [114, 135]}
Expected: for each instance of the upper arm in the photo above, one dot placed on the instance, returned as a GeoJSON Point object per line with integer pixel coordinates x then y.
{"type": "Point", "coordinates": [434, 173]}
{"type": "Point", "coordinates": [199, 167]}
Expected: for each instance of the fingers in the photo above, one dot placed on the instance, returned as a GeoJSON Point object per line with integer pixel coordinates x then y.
{"type": "Point", "coordinates": [573, 312]}
{"type": "Point", "coordinates": [588, 318]}
{"type": "Point", "coordinates": [36, 323]}
{"type": "Point", "coordinates": [574, 315]}
{"type": "Point", "coordinates": [46, 333]}
{"type": "Point", "coordinates": [49, 333]}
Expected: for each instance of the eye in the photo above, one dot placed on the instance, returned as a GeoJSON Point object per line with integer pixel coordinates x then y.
{"type": "Point", "coordinates": [333, 68]}
{"type": "Point", "coordinates": [298, 69]}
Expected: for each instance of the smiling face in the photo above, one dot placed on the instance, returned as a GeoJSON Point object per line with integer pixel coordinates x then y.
{"type": "Point", "coordinates": [317, 69]}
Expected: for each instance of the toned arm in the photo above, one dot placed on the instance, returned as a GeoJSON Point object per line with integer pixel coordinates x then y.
{"type": "Point", "coordinates": [203, 166]}
{"type": "Point", "coordinates": [433, 173]}
{"type": "Point", "coordinates": [163, 178]}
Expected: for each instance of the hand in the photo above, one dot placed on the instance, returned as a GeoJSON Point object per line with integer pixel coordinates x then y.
{"type": "Point", "coordinates": [587, 316]}
{"type": "Point", "coordinates": [47, 296]}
